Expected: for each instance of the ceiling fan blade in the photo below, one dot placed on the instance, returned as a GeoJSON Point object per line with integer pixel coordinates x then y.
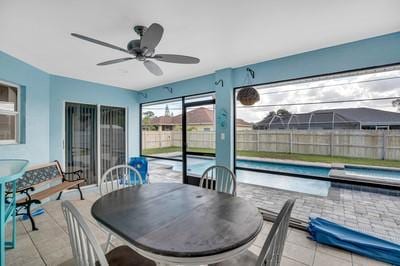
{"type": "Point", "coordinates": [175, 58]}
{"type": "Point", "coordinates": [153, 67]}
{"type": "Point", "coordinates": [109, 62]}
{"type": "Point", "coordinates": [99, 42]}
{"type": "Point", "coordinates": [152, 37]}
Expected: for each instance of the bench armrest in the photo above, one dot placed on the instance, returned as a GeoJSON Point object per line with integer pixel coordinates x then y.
{"type": "Point", "coordinates": [23, 191]}
{"type": "Point", "coordinates": [76, 175]}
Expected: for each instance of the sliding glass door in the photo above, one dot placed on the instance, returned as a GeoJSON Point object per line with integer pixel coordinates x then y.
{"type": "Point", "coordinates": [94, 143]}
{"type": "Point", "coordinates": [179, 134]}
{"type": "Point", "coordinates": [81, 140]}
{"type": "Point", "coordinates": [112, 137]}
{"type": "Point", "coordinates": [198, 137]}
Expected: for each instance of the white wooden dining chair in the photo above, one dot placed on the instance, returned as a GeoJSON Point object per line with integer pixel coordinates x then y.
{"type": "Point", "coordinates": [271, 252]}
{"type": "Point", "coordinates": [219, 178]}
{"type": "Point", "coordinates": [118, 177]}
{"type": "Point", "coordinates": [86, 250]}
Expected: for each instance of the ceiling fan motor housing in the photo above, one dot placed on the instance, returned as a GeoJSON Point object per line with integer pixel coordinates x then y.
{"type": "Point", "coordinates": [140, 30]}
{"type": "Point", "coordinates": [134, 47]}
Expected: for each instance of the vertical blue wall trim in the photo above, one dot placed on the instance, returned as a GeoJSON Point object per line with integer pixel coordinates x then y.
{"type": "Point", "coordinates": [224, 115]}
{"type": "Point", "coordinates": [34, 85]}
{"type": "Point", "coordinates": [64, 90]}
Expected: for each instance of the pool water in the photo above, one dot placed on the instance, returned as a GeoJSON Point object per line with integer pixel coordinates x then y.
{"type": "Point", "coordinates": [197, 166]}
{"type": "Point", "coordinates": [285, 167]}
{"type": "Point", "coordinates": [372, 172]}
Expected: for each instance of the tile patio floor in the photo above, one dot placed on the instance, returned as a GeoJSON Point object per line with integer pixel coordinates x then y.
{"type": "Point", "coordinates": [50, 245]}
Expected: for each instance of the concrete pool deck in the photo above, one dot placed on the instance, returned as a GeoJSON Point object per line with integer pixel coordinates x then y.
{"type": "Point", "coordinates": [373, 213]}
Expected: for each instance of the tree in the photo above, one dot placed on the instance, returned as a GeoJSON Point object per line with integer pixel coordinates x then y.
{"type": "Point", "coordinates": [167, 112]}
{"type": "Point", "coordinates": [149, 114]}
{"type": "Point", "coordinates": [271, 114]}
{"type": "Point", "coordinates": [283, 113]}
{"type": "Point", "coordinates": [147, 117]}
{"type": "Point", "coordinates": [396, 103]}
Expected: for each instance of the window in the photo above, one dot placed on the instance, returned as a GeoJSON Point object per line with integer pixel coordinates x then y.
{"type": "Point", "coordinates": [9, 113]}
{"type": "Point", "coordinates": [162, 129]}
{"type": "Point", "coordinates": [345, 119]}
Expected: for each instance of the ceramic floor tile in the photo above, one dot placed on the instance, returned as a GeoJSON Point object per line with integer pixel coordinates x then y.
{"type": "Point", "coordinates": [299, 253]}
{"type": "Point", "coordinates": [324, 259]}
{"type": "Point", "coordinates": [300, 238]}
{"type": "Point", "coordinates": [339, 253]}
{"type": "Point", "coordinates": [364, 261]}
{"type": "Point", "coordinates": [289, 262]}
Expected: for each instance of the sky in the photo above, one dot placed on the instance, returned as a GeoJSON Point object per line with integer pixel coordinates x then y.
{"type": "Point", "coordinates": [368, 86]}
{"type": "Point", "coordinates": [295, 97]}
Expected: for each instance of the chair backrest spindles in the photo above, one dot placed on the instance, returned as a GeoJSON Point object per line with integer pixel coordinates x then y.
{"type": "Point", "coordinates": [271, 253]}
{"type": "Point", "coordinates": [219, 178]}
{"type": "Point", "coordinates": [85, 248]}
{"type": "Point", "coordinates": [118, 177]}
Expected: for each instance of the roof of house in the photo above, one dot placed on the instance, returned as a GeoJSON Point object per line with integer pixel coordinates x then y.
{"type": "Point", "coordinates": [340, 116]}
{"type": "Point", "coordinates": [198, 116]}
{"type": "Point", "coordinates": [365, 115]}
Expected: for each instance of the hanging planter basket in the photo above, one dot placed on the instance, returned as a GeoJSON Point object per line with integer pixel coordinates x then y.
{"type": "Point", "coordinates": [248, 96]}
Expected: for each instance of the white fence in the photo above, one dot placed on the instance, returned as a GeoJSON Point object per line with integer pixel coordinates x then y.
{"type": "Point", "coordinates": [372, 144]}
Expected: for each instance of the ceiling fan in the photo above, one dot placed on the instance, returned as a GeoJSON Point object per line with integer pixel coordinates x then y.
{"type": "Point", "coordinates": [143, 49]}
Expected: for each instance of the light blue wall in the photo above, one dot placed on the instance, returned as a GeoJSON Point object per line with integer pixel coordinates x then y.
{"type": "Point", "coordinates": [197, 85]}
{"type": "Point", "coordinates": [43, 105]}
{"type": "Point", "coordinates": [371, 52]}
{"type": "Point", "coordinates": [366, 53]}
{"type": "Point", "coordinates": [64, 89]}
{"type": "Point", "coordinates": [35, 83]}
{"type": "Point", "coordinates": [224, 129]}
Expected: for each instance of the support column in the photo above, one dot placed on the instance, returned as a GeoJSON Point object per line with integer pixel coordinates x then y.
{"type": "Point", "coordinates": [224, 117]}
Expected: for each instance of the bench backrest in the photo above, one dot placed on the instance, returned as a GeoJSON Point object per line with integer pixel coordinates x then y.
{"type": "Point", "coordinates": [37, 175]}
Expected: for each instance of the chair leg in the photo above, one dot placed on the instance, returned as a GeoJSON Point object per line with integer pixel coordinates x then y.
{"type": "Point", "coordinates": [108, 242]}
{"type": "Point", "coordinates": [59, 195]}
{"type": "Point", "coordinates": [28, 212]}
{"type": "Point", "coordinates": [80, 192]}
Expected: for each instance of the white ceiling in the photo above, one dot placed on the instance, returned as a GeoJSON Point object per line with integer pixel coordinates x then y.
{"type": "Point", "coordinates": [223, 33]}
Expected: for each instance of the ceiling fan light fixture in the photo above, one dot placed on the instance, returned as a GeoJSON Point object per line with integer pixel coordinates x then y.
{"type": "Point", "coordinates": [248, 96]}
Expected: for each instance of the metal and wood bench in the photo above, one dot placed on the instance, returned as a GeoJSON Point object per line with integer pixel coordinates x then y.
{"type": "Point", "coordinates": [39, 176]}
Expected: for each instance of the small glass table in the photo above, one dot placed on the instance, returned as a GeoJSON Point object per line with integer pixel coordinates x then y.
{"type": "Point", "coordinates": [10, 171]}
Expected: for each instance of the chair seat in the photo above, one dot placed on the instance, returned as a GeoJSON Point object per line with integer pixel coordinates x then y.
{"type": "Point", "coordinates": [125, 256]}
{"type": "Point", "coordinates": [247, 258]}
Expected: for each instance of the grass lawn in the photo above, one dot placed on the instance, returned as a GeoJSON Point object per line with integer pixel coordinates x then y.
{"type": "Point", "coordinates": [288, 156]}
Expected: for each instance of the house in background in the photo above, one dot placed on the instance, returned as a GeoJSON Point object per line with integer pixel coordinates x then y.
{"type": "Point", "coordinates": [341, 118]}
{"type": "Point", "coordinates": [199, 119]}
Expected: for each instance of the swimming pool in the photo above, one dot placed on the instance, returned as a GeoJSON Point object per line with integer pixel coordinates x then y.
{"type": "Point", "coordinates": [299, 169]}
{"type": "Point", "coordinates": [197, 166]}
{"type": "Point", "coordinates": [284, 175]}
{"type": "Point", "coordinates": [372, 172]}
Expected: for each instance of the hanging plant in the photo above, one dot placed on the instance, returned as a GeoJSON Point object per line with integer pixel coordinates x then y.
{"type": "Point", "coordinates": [248, 96]}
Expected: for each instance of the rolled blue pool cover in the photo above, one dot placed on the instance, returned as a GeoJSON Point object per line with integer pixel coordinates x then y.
{"type": "Point", "coordinates": [141, 164]}
{"type": "Point", "coordinates": [329, 233]}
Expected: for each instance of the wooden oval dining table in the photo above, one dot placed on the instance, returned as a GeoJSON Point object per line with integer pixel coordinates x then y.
{"type": "Point", "coordinates": [177, 224]}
